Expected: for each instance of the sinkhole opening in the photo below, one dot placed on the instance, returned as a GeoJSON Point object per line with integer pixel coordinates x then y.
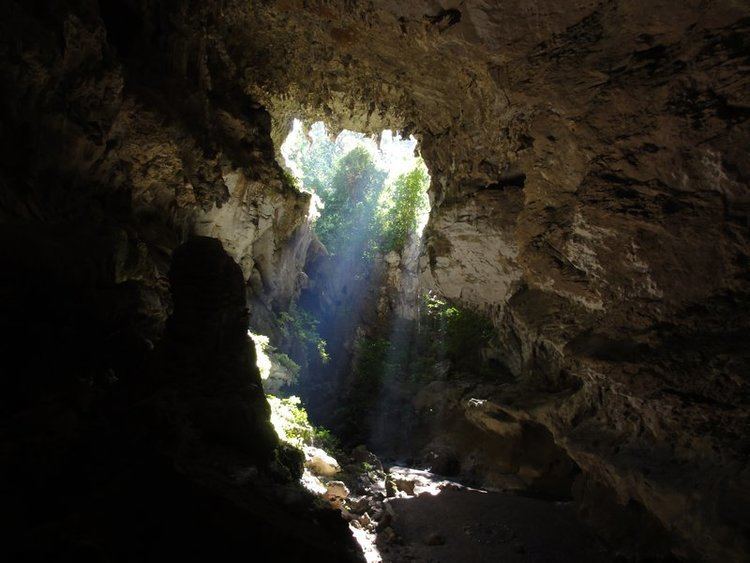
{"type": "Point", "coordinates": [369, 207]}
{"type": "Point", "coordinates": [369, 193]}
{"type": "Point", "coordinates": [343, 362]}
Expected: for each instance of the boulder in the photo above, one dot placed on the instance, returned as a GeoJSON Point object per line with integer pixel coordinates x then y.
{"type": "Point", "coordinates": [320, 462]}
{"type": "Point", "coordinates": [336, 493]}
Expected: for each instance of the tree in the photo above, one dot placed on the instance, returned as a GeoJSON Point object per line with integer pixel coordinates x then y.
{"type": "Point", "coordinates": [359, 217]}
{"type": "Point", "coordinates": [315, 156]}
{"type": "Point", "coordinates": [318, 161]}
{"type": "Point", "coordinates": [408, 201]}
{"type": "Point", "coordinates": [348, 220]}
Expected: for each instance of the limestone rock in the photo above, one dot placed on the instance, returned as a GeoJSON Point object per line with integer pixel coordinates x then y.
{"type": "Point", "coordinates": [312, 483]}
{"type": "Point", "coordinates": [336, 493]}
{"type": "Point", "coordinates": [320, 462]}
{"type": "Point", "coordinates": [491, 418]}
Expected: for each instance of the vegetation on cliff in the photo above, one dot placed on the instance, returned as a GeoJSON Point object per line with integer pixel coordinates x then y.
{"type": "Point", "coordinates": [368, 205]}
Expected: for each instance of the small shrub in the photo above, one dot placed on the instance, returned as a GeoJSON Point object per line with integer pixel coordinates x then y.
{"type": "Point", "coordinates": [289, 419]}
{"type": "Point", "coordinates": [287, 363]}
{"type": "Point", "coordinates": [325, 440]}
{"type": "Point", "coordinates": [322, 351]}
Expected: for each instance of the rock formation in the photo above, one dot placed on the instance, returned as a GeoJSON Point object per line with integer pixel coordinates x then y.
{"type": "Point", "coordinates": [590, 196]}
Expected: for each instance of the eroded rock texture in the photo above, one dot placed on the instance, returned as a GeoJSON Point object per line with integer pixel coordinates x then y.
{"type": "Point", "coordinates": [590, 188]}
{"type": "Point", "coordinates": [588, 166]}
{"type": "Point", "coordinates": [133, 423]}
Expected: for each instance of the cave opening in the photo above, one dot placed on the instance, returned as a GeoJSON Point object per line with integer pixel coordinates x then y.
{"type": "Point", "coordinates": [346, 341]}
{"type": "Point", "coordinates": [369, 205]}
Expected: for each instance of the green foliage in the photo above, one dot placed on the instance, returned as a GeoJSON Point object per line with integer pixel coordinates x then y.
{"type": "Point", "coordinates": [292, 425]}
{"type": "Point", "coordinates": [290, 180]}
{"type": "Point", "coordinates": [371, 361]}
{"type": "Point", "coordinates": [348, 219]}
{"type": "Point", "coordinates": [359, 211]}
{"type": "Point", "coordinates": [408, 200]}
{"type": "Point", "coordinates": [317, 159]}
{"type": "Point", "coordinates": [361, 216]}
{"type": "Point", "coordinates": [461, 333]}
{"type": "Point", "coordinates": [445, 332]}
{"type": "Point", "coordinates": [299, 325]}
{"type": "Point", "coordinates": [290, 421]}
{"type": "Point", "coordinates": [369, 370]}
{"type": "Point", "coordinates": [322, 352]}
{"type": "Point", "coordinates": [287, 363]}
{"type": "Point", "coordinates": [273, 365]}
{"type": "Point", "coordinates": [447, 341]}
{"type": "Point", "coordinates": [324, 440]}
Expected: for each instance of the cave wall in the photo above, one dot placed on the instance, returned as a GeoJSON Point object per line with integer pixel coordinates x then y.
{"type": "Point", "coordinates": [128, 117]}
{"type": "Point", "coordinates": [589, 181]}
{"type": "Point", "coordinates": [589, 186]}
{"type": "Point", "coordinates": [133, 424]}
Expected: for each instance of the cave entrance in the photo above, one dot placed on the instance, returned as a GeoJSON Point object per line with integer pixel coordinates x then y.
{"type": "Point", "coordinates": [353, 173]}
{"type": "Point", "coordinates": [345, 340]}
{"type": "Point", "coordinates": [369, 207]}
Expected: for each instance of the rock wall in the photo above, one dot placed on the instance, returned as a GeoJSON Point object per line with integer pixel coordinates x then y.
{"type": "Point", "coordinates": [155, 129]}
{"type": "Point", "coordinates": [589, 186]}
{"type": "Point", "coordinates": [591, 195]}
{"type": "Point", "coordinates": [133, 422]}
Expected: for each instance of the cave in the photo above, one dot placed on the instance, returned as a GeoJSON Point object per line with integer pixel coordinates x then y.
{"type": "Point", "coordinates": [554, 366]}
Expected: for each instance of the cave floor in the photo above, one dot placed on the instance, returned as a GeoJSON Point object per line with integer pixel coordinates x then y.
{"type": "Point", "coordinates": [461, 524]}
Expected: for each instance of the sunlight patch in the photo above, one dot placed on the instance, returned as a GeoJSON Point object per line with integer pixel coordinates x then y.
{"type": "Point", "coordinates": [262, 359]}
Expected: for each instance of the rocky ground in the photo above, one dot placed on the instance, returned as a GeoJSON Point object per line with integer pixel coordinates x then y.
{"type": "Point", "coordinates": [404, 514]}
{"type": "Point", "coordinates": [475, 525]}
